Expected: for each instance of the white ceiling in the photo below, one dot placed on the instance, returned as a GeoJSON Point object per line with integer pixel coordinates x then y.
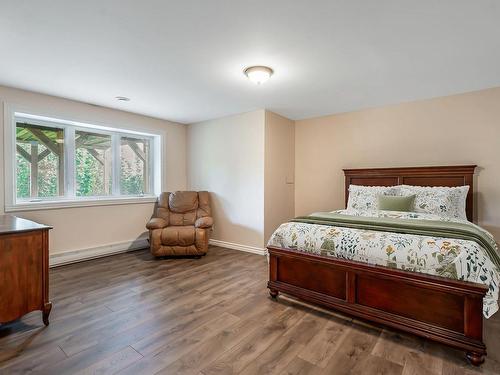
{"type": "Point", "coordinates": [183, 60]}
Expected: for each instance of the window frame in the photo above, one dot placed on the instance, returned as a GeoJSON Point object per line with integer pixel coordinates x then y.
{"type": "Point", "coordinates": [12, 203]}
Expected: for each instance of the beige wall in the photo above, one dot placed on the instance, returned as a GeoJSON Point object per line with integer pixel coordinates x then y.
{"type": "Point", "coordinates": [226, 157]}
{"type": "Point", "coordinates": [89, 227]}
{"type": "Point", "coordinates": [279, 172]}
{"type": "Point", "coordinates": [459, 129]}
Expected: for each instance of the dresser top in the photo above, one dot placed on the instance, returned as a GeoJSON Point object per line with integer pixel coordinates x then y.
{"type": "Point", "coordinates": [13, 224]}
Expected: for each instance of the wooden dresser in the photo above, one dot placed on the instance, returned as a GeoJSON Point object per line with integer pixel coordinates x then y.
{"type": "Point", "coordinates": [24, 268]}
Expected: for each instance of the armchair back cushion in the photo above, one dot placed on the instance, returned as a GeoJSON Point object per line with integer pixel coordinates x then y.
{"type": "Point", "coordinates": [183, 201]}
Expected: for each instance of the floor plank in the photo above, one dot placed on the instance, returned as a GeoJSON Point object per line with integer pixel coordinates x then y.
{"type": "Point", "coordinates": [133, 314]}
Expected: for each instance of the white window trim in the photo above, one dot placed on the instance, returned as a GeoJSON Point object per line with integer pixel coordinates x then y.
{"type": "Point", "coordinates": [82, 202]}
{"type": "Point", "coordinates": [11, 203]}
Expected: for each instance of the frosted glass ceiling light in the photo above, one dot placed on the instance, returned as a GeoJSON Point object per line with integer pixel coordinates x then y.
{"type": "Point", "coordinates": [258, 74]}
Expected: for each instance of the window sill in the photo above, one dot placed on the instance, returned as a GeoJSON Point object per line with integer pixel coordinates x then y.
{"type": "Point", "coordinates": [91, 202]}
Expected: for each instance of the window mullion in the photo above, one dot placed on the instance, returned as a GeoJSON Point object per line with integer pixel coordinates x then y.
{"type": "Point", "coordinates": [151, 167]}
{"type": "Point", "coordinates": [115, 160]}
{"type": "Point", "coordinates": [156, 157]}
{"type": "Point", "coordinates": [69, 165]}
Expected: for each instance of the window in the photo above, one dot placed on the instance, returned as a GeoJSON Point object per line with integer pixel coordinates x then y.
{"type": "Point", "coordinates": [134, 171]}
{"type": "Point", "coordinates": [40, 161]}
{"type": "Point", "coordinates": [93, 164]}
{"type": "Point", "coordinates": [62, 161]}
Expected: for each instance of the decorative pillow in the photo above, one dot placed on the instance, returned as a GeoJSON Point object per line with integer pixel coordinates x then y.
{"type": "Point", "coordinates": [366, 197]}
{"type": "Point", "coordinates": [443, 201]}
{"type": "Point", "coordinates": [396, 203]}
{"type": "Point", "coordinates": [458, 196]}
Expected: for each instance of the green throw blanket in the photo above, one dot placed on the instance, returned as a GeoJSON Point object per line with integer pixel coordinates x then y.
{"type": "Point", "coordinates": [434, 228]}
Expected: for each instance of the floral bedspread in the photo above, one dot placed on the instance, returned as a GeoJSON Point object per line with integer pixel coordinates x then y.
{"type": "Point", "coordinates": [451, 258]}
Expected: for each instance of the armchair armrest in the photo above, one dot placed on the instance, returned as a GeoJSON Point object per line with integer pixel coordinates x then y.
{"type": "Point", "coordinates": [204, 222]}
{"type": "Point", "coordinates": [156, 223]}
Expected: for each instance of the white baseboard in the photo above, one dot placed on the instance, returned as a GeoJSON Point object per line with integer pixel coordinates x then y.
{"type": "Point", "coordinates": [74, 256]}
{"type": "Point", "coordinates": [237, 246]}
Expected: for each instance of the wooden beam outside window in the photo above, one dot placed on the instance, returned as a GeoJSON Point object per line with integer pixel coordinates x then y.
{"type": "Point", "coordinates": [46, 141]}
{"type": "Point", "coordinates": [133, 145]}
{"type": "Point", "coordinates": [43, 154]}
{"type": "Point", "coordinates": [25, 154]}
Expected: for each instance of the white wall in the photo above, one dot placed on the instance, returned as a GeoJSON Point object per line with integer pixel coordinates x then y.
{"type": "Point", "coordinates": [90, 227]}
{"type": "Point", "coordinates": [226, 157]}
{"type": "Point", "coordinates": [279, 197]}
{"type": "Point", "coordinates": [246, 162]}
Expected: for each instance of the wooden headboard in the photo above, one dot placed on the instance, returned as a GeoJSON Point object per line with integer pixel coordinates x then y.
{"type": "Point", "coordinates": [459, 175]}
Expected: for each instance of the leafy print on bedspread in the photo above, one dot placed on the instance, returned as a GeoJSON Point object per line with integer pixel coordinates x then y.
{"type": "Point", "coordinates": [451, 258]}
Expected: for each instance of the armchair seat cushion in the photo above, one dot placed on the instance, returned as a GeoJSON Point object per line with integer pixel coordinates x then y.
{"type": "Point", "coordinates": [178, 235]}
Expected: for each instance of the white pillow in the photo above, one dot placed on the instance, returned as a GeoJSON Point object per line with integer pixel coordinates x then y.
{"type": "Point", "coordinates": [366, 197]}
{"type": "Point", "coordinates": [439, 200]}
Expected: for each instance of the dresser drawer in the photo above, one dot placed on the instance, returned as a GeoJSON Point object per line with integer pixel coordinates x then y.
{"type": "Point", "coordinates": [21, 274]}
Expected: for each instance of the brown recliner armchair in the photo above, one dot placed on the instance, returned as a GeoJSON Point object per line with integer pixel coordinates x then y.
{"type": "Point", "coordinates": [181, 224]}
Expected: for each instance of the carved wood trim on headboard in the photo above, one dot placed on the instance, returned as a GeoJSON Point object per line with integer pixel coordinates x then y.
{"type": "Point", "coordinates": [450, 176]}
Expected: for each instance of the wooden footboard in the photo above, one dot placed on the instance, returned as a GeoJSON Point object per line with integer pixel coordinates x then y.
{"type": "Point", "coordinates": [444, 310]}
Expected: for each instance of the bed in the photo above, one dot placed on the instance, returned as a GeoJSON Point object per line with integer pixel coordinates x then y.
{"type": "Point", "coordinates": [443, 309]}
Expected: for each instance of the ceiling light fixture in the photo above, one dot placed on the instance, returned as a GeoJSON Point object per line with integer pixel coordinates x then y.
{"type": "Point", "coordinates": [258, 74]}
{"type": "Point", "coordinates": [122, 98]}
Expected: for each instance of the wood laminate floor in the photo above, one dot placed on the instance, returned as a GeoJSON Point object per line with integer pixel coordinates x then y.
{"type": "Point", "coordinates": [131, 314]}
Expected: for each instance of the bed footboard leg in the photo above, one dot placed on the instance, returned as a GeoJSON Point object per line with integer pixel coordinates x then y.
{"type": "Point", "coordinates": [474, 358]}
{"type": "Point", "coordinates": [274, 293]}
